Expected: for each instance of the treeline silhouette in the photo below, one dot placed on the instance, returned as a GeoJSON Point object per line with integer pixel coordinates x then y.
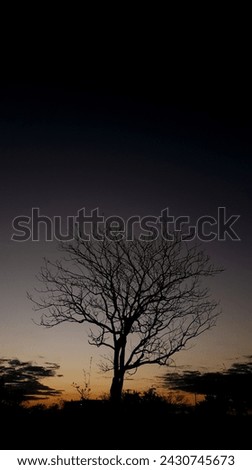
{"type": "Point", "coordinates": [140, 421]}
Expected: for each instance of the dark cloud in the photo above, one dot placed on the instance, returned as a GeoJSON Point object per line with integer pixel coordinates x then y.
{"type": "Point", "coordinates": [230, 387]}
{"type": "Point", "coordinates": [21, 381]}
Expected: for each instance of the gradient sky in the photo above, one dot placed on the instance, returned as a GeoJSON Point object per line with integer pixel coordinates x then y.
{"type": "Point", "coordinates": [128, 149]}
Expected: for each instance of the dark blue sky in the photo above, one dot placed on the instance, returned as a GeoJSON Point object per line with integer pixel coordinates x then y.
{"type": "Point", "coordinates": [80, 138]}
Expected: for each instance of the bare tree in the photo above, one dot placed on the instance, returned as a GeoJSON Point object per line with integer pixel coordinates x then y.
{"type": "Point", "coordinates": [143, 300]}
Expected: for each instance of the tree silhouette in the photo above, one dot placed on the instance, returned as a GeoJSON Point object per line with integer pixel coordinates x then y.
{"type": "Point", "coordinates": [227, 390]}
{"type": "Point", "coordinates": [143, 300]}
{"type": "Point", "coordinates": [20, 381]}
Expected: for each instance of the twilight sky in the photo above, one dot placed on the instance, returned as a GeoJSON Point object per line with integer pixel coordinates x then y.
{"type": "Point", "coordinates": [128, 149]}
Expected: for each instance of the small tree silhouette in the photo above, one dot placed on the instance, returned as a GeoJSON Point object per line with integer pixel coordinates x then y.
{"type": "Point", "coordinates": [84, 391]}
{"type": "Point", "coordinates": [143, 300]}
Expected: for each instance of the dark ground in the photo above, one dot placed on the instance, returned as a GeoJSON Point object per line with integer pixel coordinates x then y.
{"type": "Point", "coordinates": [99, 425]}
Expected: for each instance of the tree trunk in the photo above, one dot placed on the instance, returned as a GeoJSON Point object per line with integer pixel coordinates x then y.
{"type": "Point", "coordinates": [116, 388]}
{"type": "Point", "coordinates": [119, 371]}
